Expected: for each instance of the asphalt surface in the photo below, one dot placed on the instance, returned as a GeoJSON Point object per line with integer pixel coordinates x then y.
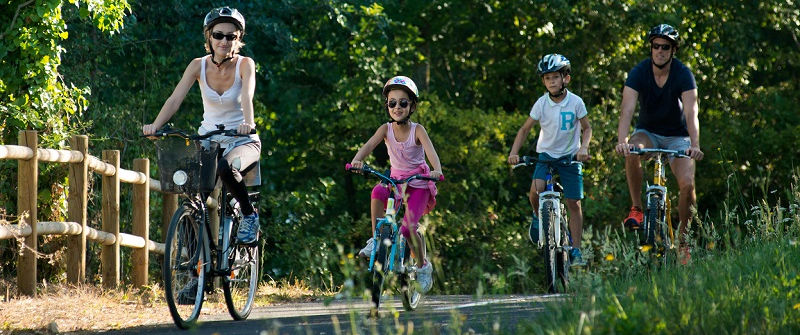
{"type": "Point", "coordinates": [508, 314]}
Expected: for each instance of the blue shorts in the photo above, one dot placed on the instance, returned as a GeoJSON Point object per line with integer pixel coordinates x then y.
{"type": "Point", "coordinates": [570, 176]}
{"type": "Point", "coordinates": [678, 143]}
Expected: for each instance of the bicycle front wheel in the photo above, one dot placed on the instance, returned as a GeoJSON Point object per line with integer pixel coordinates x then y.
{"type": "Point", "coordinates": [408, 286]}
{"type": "Point", "coordinates": [549, 252]}
{"type": "Point", "coordinates": [381, 267]}
{"type": "Point", "coordinates": [183, 273]}
{"type": "Point", "coordinates": [241, 284]}
{"type": "Point", "coordinates": [562, 257]}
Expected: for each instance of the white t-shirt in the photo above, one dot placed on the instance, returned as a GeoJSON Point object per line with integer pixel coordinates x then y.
{"type": "Point", "coordinates": [560, 133]}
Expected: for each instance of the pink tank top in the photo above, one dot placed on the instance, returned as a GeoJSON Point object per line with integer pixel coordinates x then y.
{"type": "Point", "coordinates": [407, 157]}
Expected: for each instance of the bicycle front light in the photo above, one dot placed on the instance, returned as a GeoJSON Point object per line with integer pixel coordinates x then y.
{"type": "Point", "coordinates": [180, 177]}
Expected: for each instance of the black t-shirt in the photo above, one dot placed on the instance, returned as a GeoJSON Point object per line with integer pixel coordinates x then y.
{"type": "Point", "coordinates": [660, 108]}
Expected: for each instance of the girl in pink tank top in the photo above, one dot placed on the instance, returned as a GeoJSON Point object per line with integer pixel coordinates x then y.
{"type": "Point", "coordinates": [408, 145]}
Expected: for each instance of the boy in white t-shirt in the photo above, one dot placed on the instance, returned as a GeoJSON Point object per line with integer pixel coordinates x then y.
{"type": "Point", "coordinates": [564, 136]}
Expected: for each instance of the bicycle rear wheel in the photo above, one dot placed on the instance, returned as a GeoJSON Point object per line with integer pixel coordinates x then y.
{"type": "Point", "coordinates": [408, 286]}
{"type": "Point", "coordinates": [241, 284]}
{"type": "Point", "coordinates": [183, 273]}
{"type": "Point", "coordinates": [549, 252]}
{"type": "Point", "coordinates": [381, 267]}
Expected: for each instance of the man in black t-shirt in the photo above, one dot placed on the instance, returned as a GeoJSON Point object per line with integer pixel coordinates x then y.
{"type": "Point", "coordinates": [667, 96]}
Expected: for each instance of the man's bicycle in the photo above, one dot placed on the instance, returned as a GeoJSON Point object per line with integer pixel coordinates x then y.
{"type": "Point", "coordinates": [392, 254]}
{"type": "Point", "coordinates": [554, 239]}
{"type": "Point", "coordinates": [195, 252]}
{"type": "Point", "coordinates": [657, 229]}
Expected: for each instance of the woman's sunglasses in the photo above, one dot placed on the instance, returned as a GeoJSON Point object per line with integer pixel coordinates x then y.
{"type": "Point", "coordinates": [393, 103]}
{"type": "Point", "coordinates": [220, 36]}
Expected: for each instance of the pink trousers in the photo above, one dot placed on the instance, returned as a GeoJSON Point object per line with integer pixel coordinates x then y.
{"type": "Point", "coordinates": [416, 204]}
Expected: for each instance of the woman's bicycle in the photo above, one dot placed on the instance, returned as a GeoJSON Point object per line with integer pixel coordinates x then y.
{"type": "Point", "coordinates": [194, 252]}
{"type": "Point", "coordinates": [554, 239]}
{"type": "Point", "coordinates": [392, 254]}
{"type": "Point", "coordinates": [657, 229]}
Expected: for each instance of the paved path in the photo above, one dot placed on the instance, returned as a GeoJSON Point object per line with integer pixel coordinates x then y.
{"type": "Point", "coordinates": [437, 315]}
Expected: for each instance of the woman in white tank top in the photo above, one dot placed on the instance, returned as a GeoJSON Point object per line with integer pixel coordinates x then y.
{"type": "Point", "coordinates": [227, 84]}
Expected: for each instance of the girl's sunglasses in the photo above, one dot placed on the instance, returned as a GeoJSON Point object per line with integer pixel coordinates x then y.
{"type": "Point", "coordinates": [220, 36]}
{"type": "Point", "coordinates": [393, 103]}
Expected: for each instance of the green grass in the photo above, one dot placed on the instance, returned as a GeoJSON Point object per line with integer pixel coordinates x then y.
{"type": "Point", "coordinates": [753, 289]}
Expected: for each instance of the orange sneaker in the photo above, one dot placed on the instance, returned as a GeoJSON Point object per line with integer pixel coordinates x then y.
{"type": "Point", "coordinates": [634, 219]}
{"type": "Point", "coordinates": [684, 255]}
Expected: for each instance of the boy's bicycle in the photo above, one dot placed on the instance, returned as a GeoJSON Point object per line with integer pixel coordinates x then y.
{"type": "Point", "coordinates": [554, 239]}
{"type": "Point", "coordinates": [392, 255]}
{"type": "Point", "coordinates": [192, 257]}
{"type": "Point", "coordinates": [657, 229]}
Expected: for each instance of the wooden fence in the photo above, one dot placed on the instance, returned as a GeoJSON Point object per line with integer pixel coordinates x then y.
{"type": "Point", "coordinates": [29, 155]}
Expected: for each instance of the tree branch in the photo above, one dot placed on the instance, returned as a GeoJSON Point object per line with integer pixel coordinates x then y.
{"type": "Point", "coordinates": [11, 25]}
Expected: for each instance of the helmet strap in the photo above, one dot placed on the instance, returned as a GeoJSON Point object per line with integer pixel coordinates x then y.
{"type": "Point", "coordinates": [561, 92]}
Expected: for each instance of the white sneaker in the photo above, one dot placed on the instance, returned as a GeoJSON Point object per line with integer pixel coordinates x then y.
{"type": "Point", "coordinates": [367, 251]}
{"type": "Point", "coordinates": [425, 277]}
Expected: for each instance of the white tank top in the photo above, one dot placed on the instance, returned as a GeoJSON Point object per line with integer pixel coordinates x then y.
{"type": "Point", "coordinates": [225, 108]}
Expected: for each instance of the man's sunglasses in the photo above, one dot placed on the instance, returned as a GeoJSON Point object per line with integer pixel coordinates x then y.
{"type": "Point", "coordinates": [657, 46]}
{"type": "Point", "coordinates": [220, 36]}
{"type": "Point", "coordinates": [393, 103]}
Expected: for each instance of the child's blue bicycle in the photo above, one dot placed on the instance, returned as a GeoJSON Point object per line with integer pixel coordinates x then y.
{"type": "Point", "coordinates": [392, 255]}
{"type": "Point", "coordinates": [553, 239]}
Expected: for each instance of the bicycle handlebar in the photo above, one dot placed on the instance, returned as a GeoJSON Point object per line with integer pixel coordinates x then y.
{"type": "Point", "coordinates": [370, 170]}
{"type": "Point", "coordinates": [530, 160]}
{"type": "Point", "coordinates": [673, 153]}
{"type": "Point", "coordinates": [167, 131]}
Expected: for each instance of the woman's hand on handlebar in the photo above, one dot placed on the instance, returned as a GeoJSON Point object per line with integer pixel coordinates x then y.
{"type": "Point", "coordinates": [435, 174]}
{"type": "Point", "coordinates": [245, 128]}
{"type": "Point", "coordinates": [149, 129]}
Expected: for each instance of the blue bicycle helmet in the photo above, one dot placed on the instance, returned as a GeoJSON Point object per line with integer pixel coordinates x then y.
{"type": "Point", "coordinates": [553, 63]}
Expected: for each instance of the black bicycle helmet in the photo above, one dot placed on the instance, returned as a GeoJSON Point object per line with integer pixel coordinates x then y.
{"type": "Point", "coordinates": [224, 14]}
{"type": "Point", "coordinates": [664, 31]}
{"type": "Point", "coordinates": [553, 63]}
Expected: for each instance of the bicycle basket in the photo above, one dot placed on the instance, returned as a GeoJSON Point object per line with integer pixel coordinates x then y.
{"type": "Point", "coordinates": [187, 166]}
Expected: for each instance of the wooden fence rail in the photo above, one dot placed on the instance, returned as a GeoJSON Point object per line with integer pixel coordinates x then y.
{"type": "Point", "coordinates": [28, 154]}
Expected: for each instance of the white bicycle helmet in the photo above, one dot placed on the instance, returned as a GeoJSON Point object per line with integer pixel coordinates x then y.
{"type": "Point", "coordinates": [404, 83]}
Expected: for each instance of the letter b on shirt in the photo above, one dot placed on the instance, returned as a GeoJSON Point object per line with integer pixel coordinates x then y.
{"type": "Point", "coordinates": [567, 120]}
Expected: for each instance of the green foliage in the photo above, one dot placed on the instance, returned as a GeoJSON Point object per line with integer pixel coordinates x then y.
{"type": "Point", "coordinates": [320, 67]}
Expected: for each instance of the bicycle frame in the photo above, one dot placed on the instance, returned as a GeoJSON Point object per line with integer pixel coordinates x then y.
{"type": "Point", "coordinates": [194, 177]}
{"type": "Point", "coordinates": [395, 260]}
{"type": "Point", "coordinates": [657, 196]}
{"type": "Point", "coordinates": [549, 195]}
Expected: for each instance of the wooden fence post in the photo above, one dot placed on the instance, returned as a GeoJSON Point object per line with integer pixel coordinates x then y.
{"type": "Point", "coordinates": [110, 255]}
{"type": "Point", "coordinates": [77, 204]}
{"type": "Point", "coordinates": [169, 204]}
{"type": "Point", "coordinates": [27, 191]}
{"type": "Point", "coordinates": [141, 223]}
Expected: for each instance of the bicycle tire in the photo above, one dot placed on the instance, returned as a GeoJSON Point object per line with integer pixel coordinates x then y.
{"type": "Point", "coordinates": [562, 257]}
{"type": "Point", "coordinates": [181, 268]}
{"type": "Point", "coordinates": [381, 266]}
{"type": "Point", "coordinates": [241, 285]}
{"type": "Point", "coordinates": [408, 287]}
{"type": "Point", "coordinates": [549, 251]}
{"type": "Point", "coordinates": [651, 220]}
